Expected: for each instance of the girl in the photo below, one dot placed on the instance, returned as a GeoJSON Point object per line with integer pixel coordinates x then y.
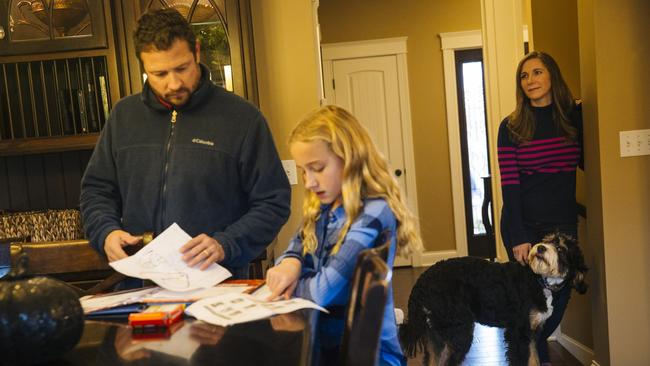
{"type": "Point", "coordinates": [539, 148]}
{"type": "Point", "coordinates": [350, 198]}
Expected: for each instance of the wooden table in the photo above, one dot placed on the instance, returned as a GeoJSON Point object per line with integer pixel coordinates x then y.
{"type": "Point", "coordinates": [282, 340]}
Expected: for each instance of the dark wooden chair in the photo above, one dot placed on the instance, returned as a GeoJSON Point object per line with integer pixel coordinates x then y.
{"type": "Point", "coordinates": [72, 261]}
{"type": "Point", "coordinates": [365, 311]}
{"type": "Point", "coordinates": [256, 267]}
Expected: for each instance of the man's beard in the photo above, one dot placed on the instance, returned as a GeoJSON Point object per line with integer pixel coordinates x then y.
{"type": "Point", "coordinates": [179, 97]}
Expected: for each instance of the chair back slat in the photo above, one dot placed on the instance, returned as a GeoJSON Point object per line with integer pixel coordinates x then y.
{"type": "Point", "coordinates": [365, 311]}
{"type": "Point", "coordinates": [59, 257]}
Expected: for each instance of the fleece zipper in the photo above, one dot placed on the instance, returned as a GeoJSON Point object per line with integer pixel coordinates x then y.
{"type": "Point", "coordinates": [168, 152]}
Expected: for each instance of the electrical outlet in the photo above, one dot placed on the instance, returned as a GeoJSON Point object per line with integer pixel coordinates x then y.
{"type": "Point", "coordinates": [635, 142]}
{"type": "Point", "coordinates": [290, 168]}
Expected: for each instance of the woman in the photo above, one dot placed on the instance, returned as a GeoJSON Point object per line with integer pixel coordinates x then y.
{"type": "Point", "coordinates": [539, 149]}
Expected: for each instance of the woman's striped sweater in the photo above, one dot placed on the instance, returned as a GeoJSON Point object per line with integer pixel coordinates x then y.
{"type": "Point", "coordinates": [538, 177]}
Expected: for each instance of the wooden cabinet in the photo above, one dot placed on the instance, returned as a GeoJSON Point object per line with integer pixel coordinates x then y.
{"type": "Point", "coordinates": [59, 82]}
{"type": "Point", "coordinates": [37, 26]}
{"type": "Point", "coordinates": [60, 61]}
{"type": "Point", "coordinates": [62, 70]}
{"type": "Point", "coordinates": [224, 29]}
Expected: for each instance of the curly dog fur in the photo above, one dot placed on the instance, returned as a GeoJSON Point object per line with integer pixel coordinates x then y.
{"type": "Point", "coordinates": [450, 296]}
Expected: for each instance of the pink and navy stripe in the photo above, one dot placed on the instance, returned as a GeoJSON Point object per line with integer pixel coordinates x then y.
{"type": "Point", "coordinates": [553, 155]}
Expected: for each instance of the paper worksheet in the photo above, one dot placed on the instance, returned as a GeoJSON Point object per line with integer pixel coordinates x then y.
{"type": "Point", "coordinates": [155, 294]}
{"type": "Point", "coordinates": [161, 262]}
{"type": "Point", "coordinates": [232, 309]}
{"type": "Point", "coordinates": [99, 302]}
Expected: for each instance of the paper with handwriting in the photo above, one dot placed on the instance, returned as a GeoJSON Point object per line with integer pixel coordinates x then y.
{"type": "Point", "coordinates": [161, 262]}
{"type": "Point", "coordinates": [232, 309]}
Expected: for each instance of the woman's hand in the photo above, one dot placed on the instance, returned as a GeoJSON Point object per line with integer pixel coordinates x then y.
{"type": "Point", "coordinates": [521, 253]}
{"type": "Point", "coordinates": [283, 278]}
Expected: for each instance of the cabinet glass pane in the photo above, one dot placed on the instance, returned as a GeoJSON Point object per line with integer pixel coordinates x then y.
{"type": "Point", "coordinates": [30, 20]}
{"type": "Point", "coordinates": [211, 30]}
{"type": "Point", "coordinates": [151, 5]}
{"type": "Point", "coordinates": [208, 21]}
{"type": "Point", "coordinates": [70, 18]}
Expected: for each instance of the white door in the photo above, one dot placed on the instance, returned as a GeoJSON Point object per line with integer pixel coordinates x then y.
{"type": "Point", "coordinates": [369, 88]}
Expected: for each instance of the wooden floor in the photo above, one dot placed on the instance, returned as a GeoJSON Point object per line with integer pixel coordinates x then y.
{"type": "Point", "coordinates": [487, 348]}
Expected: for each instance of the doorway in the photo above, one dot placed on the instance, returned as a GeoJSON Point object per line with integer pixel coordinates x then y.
{"type": "Point", "coordinates": [477, 189]}
{"type": "Point", "coordinates": [369, 79]}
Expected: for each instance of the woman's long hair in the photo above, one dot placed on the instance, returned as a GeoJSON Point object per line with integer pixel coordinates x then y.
{"type": "Point", "coordinates": [521, 122]}
{"type": "Point", "coordinates": [365, 175]}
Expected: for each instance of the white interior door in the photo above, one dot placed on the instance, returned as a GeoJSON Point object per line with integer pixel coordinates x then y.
{"type": "Point", "coordinates": [369, 88]}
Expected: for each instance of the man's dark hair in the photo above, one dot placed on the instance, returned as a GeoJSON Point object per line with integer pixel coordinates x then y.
{"type": "Point", "coordinates": [158, 29]}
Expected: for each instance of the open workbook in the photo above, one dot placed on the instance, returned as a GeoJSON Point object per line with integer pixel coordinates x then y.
{"type": "Point", "coordinates": [233, 308]}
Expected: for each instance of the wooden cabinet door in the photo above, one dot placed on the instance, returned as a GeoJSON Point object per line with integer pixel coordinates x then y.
{"type": "Point", "coordinates": [40, 26]}
{"type": "Point", "coordinates": [223, 27]}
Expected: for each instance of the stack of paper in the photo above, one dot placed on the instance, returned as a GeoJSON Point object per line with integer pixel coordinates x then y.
{"type": "Point", "coordinates": [161, 262]}
{"type": "Point", "coordinates": [149, 295]}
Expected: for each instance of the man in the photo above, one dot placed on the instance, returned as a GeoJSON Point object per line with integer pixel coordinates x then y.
{"type": "Point", "coordinates": [184, 151]}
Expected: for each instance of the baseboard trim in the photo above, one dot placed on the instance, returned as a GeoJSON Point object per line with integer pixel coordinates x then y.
{"type": "Point", "coordinates": [426, 259]}
{"type": "Point", "coordinates": [583, 353]}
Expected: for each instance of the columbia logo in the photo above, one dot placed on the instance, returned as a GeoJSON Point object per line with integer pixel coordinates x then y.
{"type": "Point", "coordinates": [203, 142]}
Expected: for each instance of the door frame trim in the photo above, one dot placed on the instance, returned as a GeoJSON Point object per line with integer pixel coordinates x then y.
{"type": "Point", "coordinates": [450, 42]}
{"type": "Point", "coordinates": [395, 46]}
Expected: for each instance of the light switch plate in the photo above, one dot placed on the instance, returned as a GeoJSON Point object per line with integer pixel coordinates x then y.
{"type": "Point", "coordinates": [290, 168]}
{"type": "Point", "coordinates": [635, 142]}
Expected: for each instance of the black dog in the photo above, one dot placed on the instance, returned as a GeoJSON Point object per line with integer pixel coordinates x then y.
{"type": "Point", "coordinates": [453, 294]}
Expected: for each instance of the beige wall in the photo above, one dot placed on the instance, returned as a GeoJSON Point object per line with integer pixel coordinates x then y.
{"type": "Point", "coordinates": [527, 19]}
{"type": "Point", "coordinates": [287, 74]}
{"type": "Point", "coordinates": [556, 32]}
{"type": "Point", "coordinates": [614, 52]}
{"type": "Point", "coordinates": [576, 323]}
{"type": "Point", "coordinates": [421, 22]}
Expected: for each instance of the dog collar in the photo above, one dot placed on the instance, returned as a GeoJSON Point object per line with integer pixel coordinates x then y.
{"type": "Point", "coordinates": [554, 284]}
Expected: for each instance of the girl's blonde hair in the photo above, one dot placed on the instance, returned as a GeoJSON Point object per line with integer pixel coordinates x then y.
{"type": "Point", "coordinates": [365, 175]}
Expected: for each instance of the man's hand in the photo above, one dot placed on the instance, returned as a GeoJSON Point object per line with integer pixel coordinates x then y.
{"type": "Point", "coordinates": [202, 249]}
{"type": "Point", "coordinates": [521, 253]}
{"type": "Point", "coordinates": [283, 278]}
{"type": "Point", "coordinates": [115, 241]}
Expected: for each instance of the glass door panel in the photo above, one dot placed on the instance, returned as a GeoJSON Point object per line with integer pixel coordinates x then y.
{"type": "Point", "coordinates": [208, 20]}
{"type": "Point", "coordinates": [25, 25]}
{"type": "Point", "coordinates": [474, 152]}
{"type": "Point", "coordinates": [46, 19]}
{"type": "Point", "coordinates": [39, 26]}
